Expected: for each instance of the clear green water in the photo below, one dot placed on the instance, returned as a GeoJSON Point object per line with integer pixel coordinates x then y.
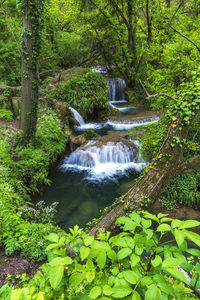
{"type": "Point", "coordinates": [81, 200]}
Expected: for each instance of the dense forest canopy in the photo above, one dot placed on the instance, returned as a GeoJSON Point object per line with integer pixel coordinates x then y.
{"type": "Point", "coordinates": [49, 51]}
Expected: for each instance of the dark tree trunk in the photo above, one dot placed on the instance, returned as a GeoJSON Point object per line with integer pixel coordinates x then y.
{"type": "Point", "coordinates": [170, 162]}
{"type": "Point", "coordinates": [29, 76]}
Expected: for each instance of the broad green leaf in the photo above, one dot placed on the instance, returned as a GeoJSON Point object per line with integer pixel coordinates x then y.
{"type": "Point", "coordinates": [124, 252]}
{"type": "Point", "coordinates": [165, 288]}
{"type": "Point", "coordinates": [56, 261]}
{"type": "Point", "coordinates": [129, 241]}
{"type": "Point", "coordinates": [107, 290]}
{"type": "Point", "coordinates": [165, 220]}
{"type": "Point", "coordinates": [160, 215]}
{"type": "Point", "coordinates": [134, 260]}
{"type": "Point", "coordinates": [152, 293]}
{"type": "Point", "coordinates": [136, 296]}
{"type": "Point", "coordinates": [52, 237]}
{"type": "Point", "coordinates": [119, 241]}
{"type": "Point", "coordinates": [156, 261]}
{"type": "Point", "coordinates": [146, 281]}
{"type": "Point", "coordinates": [67, 260]}
{"type": "Point", "coordinates": [138, 250]}
{"type": "Point", "coordinates": [88, 240]}
{"type": "Point", "coordinates": [95, 292]}
{"type": "Point", "coordinates": [127, 223]}
{"type": "Point", "coordinates": [130, 276]}
{"type": "Point", "coordinates": [76, 278]}
{"type": "Point", "coordinates": [101, 260]}
{"type": "Point", "coordinates": [170, 262]}
{"type": "Point", "coordinates": [84, 252]}
{"type": "Point", "coordinates": [51, 246]}
{"type": "Point", "coordinates": [194, 252]}
{"type": "Point", "coordinates": [163, 227]}
{"type": "Point", "coordinates": [176, 223]}
{"type": "Point", "coordinates": [121, 292]}
{"type": "Point", "coordinates": [135, 217]}
{"type": "Point", "coordinates": [194, 237]}
{"type": "Point", "coordinates": [179, 236]}
{"type": "Point", "coordinates": [176, 273]}
{"type": "Point", "coordinates": [56, 275]}
{"type": "Point", "coordinates": [189, 224]}
{"type": "Point", "coordinates": [146, 223]}
{"type": "Point", "coordinates": [147, 215]}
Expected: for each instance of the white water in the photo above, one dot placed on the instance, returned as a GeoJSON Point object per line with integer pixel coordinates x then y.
{"type": "Point", "coordinates": [118, 126]}
{"type": "Point", "coordinates": [77, 116]}
{"type": "Point", "coordinates": [116, 88]}
{"type": "Point", "coordinates": [103, 162]}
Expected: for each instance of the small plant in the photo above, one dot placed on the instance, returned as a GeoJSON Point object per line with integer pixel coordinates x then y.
{"type": "Point", "coordinates": [6, 115]}
{"type": "Point", "coordinates": [182, 190]}
{"type": "Point", "coordinates": [89, 133]}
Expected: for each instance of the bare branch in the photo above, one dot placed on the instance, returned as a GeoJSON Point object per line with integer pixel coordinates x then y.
{"type": "Point", "coordinates": [160, 94]}
{"type": "Point", "coordinates": [184, 36]}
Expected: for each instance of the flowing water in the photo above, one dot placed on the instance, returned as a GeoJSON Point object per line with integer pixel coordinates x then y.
{"type": "Point", "coordinates": [95, 174]}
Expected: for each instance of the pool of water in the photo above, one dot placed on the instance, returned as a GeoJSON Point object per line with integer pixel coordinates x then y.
{"type": "Point", "coordinates": [80, 199]}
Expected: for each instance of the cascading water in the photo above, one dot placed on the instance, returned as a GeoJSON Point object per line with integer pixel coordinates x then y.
{"type": "Point", "coordinates": [77, 116]}
{"type": "Point", "coordinates": [116, 90]}
{"type": "Point", "coordinates": [103, 161]}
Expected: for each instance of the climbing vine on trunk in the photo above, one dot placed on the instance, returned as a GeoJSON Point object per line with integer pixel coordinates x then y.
{"type": "Point", "coordinates": [32, 12]}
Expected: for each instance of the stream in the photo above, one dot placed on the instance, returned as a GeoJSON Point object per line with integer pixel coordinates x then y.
{"type": "Point", "coordinates": [94, 175]}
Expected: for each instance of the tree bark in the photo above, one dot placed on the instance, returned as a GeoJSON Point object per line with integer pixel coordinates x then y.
{"type": "Point", "coordinates": [29, 74]}
{"type": "Point", "coordinates": [170, 162]}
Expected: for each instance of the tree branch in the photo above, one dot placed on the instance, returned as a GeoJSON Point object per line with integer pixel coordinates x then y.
{"type": "Point", "coordinates": [156, 95]}
{"type": "Point", "coordinates": [184, 36]}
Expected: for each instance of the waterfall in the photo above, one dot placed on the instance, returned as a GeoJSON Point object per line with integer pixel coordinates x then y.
{"type": "Point", "coordinates": [103, 161]}
{"type": "Point", "coordinates": [77, 116]}
{"type": "Point", "coordinates": [116, 88]}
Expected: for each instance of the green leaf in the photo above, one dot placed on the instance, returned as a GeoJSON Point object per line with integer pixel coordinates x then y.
{"type": "Point", "coordinates": [56, 261]}
{"type": "Point", "coordinates": [135, 217]}
{"type": "Point", "coordinates": [107, 290]}
{"type": "Point", "coordinates": [179, 236]}
{"type": "Point", "coordinates": [130, 276]}
{"type": "Point", "coordinates": [165, 288]}
{"type": "Point", "coordinates": [152, 293]}
{"type": "Point", "coordinates": [194, 237]}
{"type": "Point", "coordinates": [194, 252]}
{"type": "Point", "coordinates": [67, 260]}
{"type": "Point", "coordinates": [146, 281]}
{"type": "Point", "coordinates": [160, 215]}
{"type": "Point", "coordinates": [76, 278]}
{"type": "Point", "coordinates": [170, 262]}
{"type": "Point", "coordinates": [95, 292]}
{"type": "Point", "coordinates": [124, 252]}
{"type": "Point", "coordinates": [176, 273]}
{"type": "Point", "coordinates": [121, 292]}
{"type": "Point", "coordinates": [156, 261]}
{"type": "Point", "coordinates": [101, 259]}
{"type": "Point", "coordinates": [147, 215]}
{"type": "Point", "coordinates": [189, 224]}
{"type": "Point", "coordinates": [163, 227]}
{"type": "Point", "coordinates": [134, 260]}
{"type": "Point", "coordinates": [146, 223]}
{"type": "Point", "coordinates": [84, 252]}
{"type": "Point", "coordinates": [88, 240]}
{"type": "Point", "coordinates": [53, 237]}
{"type": "Point", "coordinates": [175, 223]}
{"type": "Point", "coordinates": [129, 225]}
{"type": "Point", "coordinates": [56, 275]}
{"type": "Point", "coordinates": [136, 296]}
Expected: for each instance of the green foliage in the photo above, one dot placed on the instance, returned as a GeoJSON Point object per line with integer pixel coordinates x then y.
{"type": "Point", "coordinates": [182, 190]}
{"type": "Point", "coordinates": [6, 115]}
{"type": "Point", "coordinates": [22, 170]}
{"type": "Point", "coordinates": [86, 92]}
{"type": "Point", "coordinates": [89, 133]}
{"type": "Point", "coordinates": [137, 263]}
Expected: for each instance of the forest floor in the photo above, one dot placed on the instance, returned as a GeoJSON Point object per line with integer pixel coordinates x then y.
{"type": "Point", "coordinates": [6, 124]}
{"type": "Point", "coordinates": [15, 265]}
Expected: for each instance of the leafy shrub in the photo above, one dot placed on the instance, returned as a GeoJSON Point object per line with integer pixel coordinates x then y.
{"type": "Point", "coordinates": [6, 115]}
{"type": "Point", "coordinates": [87, 92]}
{"type": "Point", "coordinates": [89, 133]}
{"type": "Point", "coordinates": [137, 263]}
{"type": "Point", "coordinates": [22, 169]}
{"type": "Point", "coordinates": [182, 190]}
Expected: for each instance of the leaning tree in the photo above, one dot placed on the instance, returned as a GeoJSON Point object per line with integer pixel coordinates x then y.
{"type": "Point", "coordinates": [169, 161]}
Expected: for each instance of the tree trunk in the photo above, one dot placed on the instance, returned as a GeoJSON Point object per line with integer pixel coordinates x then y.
{"type": "Point", "coordinates": [170, 162]}
{"type": "Point", "coordinates": [29, 77]}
